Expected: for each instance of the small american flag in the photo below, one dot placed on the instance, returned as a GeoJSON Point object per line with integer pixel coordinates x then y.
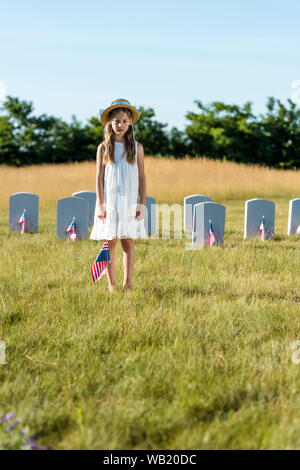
{"type": "Point", "coordinates": [211, 238]}
{"type": "Point", "coordinates": [262, 228]}
{"type": "Point", "coordinates": [22, 222]}
{"type": "Point", "coordinates": [71, 231]}
{"type": "Point", "coordinates": [100, 263]}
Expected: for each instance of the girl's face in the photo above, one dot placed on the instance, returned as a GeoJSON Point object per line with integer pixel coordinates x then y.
{"type": "Point", "coordinates": [120, 123]}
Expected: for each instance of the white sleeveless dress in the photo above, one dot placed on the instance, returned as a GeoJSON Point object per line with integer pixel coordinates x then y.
{"type": "Point", "coordinates": [121, 196]}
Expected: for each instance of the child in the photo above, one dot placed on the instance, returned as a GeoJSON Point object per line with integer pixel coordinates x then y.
{"type": "Point", "coordinates": [120, 188]}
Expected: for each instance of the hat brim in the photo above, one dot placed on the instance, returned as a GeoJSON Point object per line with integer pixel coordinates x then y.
{"type": "Point", "coordinates": [103, 115]}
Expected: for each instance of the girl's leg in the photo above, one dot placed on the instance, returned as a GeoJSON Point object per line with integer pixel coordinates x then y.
{"type": "Point", "coordinates": [110, 270]}
{"type": "Point", "coordinates": [128, 258]}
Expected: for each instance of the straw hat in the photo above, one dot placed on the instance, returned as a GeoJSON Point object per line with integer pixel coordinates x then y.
{"type": "Point", "coordinates": [119, 103]}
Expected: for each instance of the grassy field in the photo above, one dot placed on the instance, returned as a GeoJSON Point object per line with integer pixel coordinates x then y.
{"type": "Point", "coordinates": [197, 356]}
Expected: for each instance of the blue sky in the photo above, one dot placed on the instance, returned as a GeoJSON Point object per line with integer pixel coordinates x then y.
{"type": "Point", "coordinates": [74, 57]}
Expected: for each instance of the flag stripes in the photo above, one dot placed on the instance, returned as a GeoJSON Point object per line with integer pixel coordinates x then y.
{"type": "Point", "coordinates": [262, 228]}
{"type": "Point", "coordinates": [71, 231]}
{"type": "Point", "coordinates": [100, 263]}
{"type": "Point", "coordinates": [22, 222]}
{"type": "Point", "coordinates": [211, 235]}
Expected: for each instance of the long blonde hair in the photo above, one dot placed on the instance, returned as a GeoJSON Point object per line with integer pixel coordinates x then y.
{"type": "Point", "coordinates": [109, 139]}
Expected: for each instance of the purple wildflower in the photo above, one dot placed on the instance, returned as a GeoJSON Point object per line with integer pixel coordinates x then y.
{"type": "Point", "coordinates": [8, 416]}
{"type": "Point", "coordinates": [13, 425]}
{"type": "Point", "coordinates": [32, 443]}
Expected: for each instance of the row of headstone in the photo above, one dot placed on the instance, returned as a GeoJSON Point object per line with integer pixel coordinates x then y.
{"type": "Point", "coordinates": [84, 213]}
{"type": "Point", "coordinates": [199, 213]}
{"type": "Point", "coordinates": [80, 206]}
{"type": "Point", "coordinates": [207, 219]}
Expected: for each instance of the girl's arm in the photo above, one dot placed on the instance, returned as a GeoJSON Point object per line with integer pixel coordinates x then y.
{"type": "Point", "coordinates": [142, 178]}
{"type": "Point", "coordinates": [100, 170]}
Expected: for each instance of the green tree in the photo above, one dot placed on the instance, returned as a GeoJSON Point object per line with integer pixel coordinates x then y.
{"type": "Point", "coordinates": [281, 128]}
{"type": "Point", "coordinates": [27, 139]}
{"type": "Point", "coordinates": [18, 123]}
{"type": "Point", "coordinates": [9, 150]}
{"type": "Point", "coordinates": [151, 133]}
{"type": "Point", "coordinates": [95, 135]}
{"type": "Point", "coordinates": [223, 131]}
{"type": "Point", "coordinates": [179, 145]}
{"type": "Point", "coordinates": [233, 132]}
{"type": "Point", "coordinates": [218, 130]}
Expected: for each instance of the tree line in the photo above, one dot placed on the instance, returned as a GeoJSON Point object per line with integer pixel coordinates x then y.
{"type": "Point", "coordinates": [216, 130]}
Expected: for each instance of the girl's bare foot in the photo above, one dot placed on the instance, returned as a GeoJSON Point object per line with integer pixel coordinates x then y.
{"type": "Point", "coordinates": [126, 288]}
{"type": "Point", "coordinates": [112, 288]}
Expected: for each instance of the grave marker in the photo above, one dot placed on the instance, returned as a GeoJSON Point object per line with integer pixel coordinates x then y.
{"type": "Point", "coordinates": [17, 203]}
{"type": "Point", "coordinates": [294, 216]}
{"type": "Point", "coordinates": [255, 210]}
{"type": "Point", "coordinates": [188, 210]}
{"type": "Point", "coordinates": [66, 209]}
{"type": "Point", "coordinates": [150, 217]}
{"type": "Point", "coordinates": [208, 215]}
{"type": "Point", "coordinates": [90, 196]}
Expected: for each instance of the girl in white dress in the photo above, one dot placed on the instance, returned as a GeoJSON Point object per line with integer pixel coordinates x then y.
{"type": "Point", "coordinates": [120, 188]}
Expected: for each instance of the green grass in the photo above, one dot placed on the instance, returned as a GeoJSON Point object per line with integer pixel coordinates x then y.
{"type": "Point", "coordinates": [197, 356]}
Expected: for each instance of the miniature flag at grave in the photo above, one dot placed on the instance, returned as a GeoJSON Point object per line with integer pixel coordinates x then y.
{"type": "Point", "coordinates": [298, 230]}
{"type": "Point", "coordinates": [211, 238]}
{"type": "Point", "coordinates": [262, 228]}
{"type": "Point", "coordinates": [22, 222]}
{"type": "Point", "coordinates": [100, 263]}
{"type": "Point", "coordinates": [71, 231]}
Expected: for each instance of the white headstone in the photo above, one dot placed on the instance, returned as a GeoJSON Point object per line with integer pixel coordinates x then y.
{"type": "Point", "coordinates": [17, 203]}
{"type": "Point", "coordinates": [150, 217]}
{"type": "Point", "coordinates": [294, 216]}
{"type": "Point", "coordinates": [90, 196]}
{"type": "Point", "coordinates": [188, 210]}
{"type": "Point", "coordinates": [70, 207]}
{"type": "Point", "coordinates": [203, 214]}
{"type": "Point", "coordinates": [255, 210]}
